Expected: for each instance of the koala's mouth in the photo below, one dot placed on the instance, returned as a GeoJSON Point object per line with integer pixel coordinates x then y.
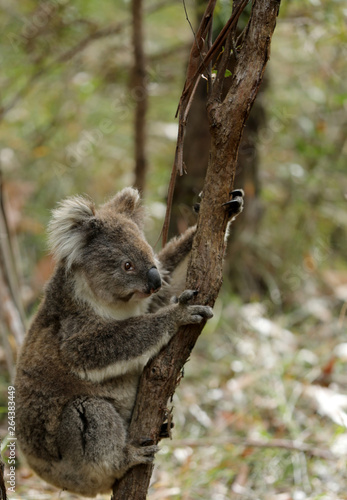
{"type": "Point", "coordinates": [138, 295]}
{"type": "Point", "coordinates": [142, 295]}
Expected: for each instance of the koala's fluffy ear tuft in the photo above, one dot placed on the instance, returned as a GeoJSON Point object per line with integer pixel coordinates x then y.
{"type": "Point", "coordinates": [71, 224]}
{"type": "Point", "coordinates": [128, 202]}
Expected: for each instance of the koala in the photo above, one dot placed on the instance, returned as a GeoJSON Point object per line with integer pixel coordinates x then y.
{"type": "Point", "coordinates": [106, 311]}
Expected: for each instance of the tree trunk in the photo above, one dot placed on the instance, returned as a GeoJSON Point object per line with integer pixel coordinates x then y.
{"type": "Point", "coordinates": [139, 95]}
{"type": "Point", "coordinates": [226, 118]}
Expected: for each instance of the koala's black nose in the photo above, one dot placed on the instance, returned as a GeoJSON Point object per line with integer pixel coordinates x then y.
{"type": "Point", "coordinates": [154, 280]}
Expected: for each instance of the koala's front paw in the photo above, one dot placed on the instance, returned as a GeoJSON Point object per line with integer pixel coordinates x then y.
{"type": "Point", "coordinates": [186, 314]}
{"type": "Point", "coordinates": [235, 205]}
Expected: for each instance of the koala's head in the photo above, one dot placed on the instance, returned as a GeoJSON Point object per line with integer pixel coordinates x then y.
{"type": "Point", "coordinates": [106, 246]}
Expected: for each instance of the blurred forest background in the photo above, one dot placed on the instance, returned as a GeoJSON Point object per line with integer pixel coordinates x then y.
{"type": "Point", "coordinates": [262, 410]}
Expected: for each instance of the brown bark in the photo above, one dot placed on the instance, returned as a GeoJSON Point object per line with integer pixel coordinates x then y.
{"type": "Point", "coordinates": [227, 118]}
{"type": "Point", "coordinates": [139, 95]}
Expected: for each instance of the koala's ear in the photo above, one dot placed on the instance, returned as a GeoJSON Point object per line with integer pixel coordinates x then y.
{"type": "Point", "coordinates": [70, 226]}
{"type": "Point", "coordinates": [128, 202]}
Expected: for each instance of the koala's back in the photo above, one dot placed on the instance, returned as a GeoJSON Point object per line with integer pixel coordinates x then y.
{"type": "Point", "coordinates": [43, 387]}
{"type": "Point", "coordinates": [48, 394]}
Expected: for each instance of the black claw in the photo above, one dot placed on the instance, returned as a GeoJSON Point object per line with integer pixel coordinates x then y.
{"type": "Point", "coordinates": [146, 441]}
{"type": "Point", "coordinates": [164, 431]}
{"type": "Point", "coordinates": [237, 193]}
{"type": "Point", "coordinates": [234, 206]}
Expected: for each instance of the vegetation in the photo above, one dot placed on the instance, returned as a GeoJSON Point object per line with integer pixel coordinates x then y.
{"type": "Point", "coordinates": [269, 371]}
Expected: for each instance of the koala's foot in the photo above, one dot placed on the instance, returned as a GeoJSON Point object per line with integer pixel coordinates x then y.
{"type": "Point", "coordinates": [187, 314]}
{"type": "Point", "coordinates": [235, 206]}
{"type": "Point", "coordinates": [165, 431]}
{"type": "Point", "coordinates": [140, 454]}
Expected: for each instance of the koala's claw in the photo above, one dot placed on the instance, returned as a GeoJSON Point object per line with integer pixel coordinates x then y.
{"type": "Point", "coordinates": [146, 442]}
{"type": "Point", "coordinates": [237, 192]}
{"type": "Point", "coordinates": [196, 208]}
{"type": "Point", "coordinates": [186, 296]}
{"type": "Point", "coordinates": [165, 431]}
{"type": "Point", "coordinates": [199, 313]}
{"type": "Point", "coordinates": [146, 453]}
{"type": "Point", "coordinates": [196, 314]}
{"type": "Point", "coordinates": [235, 205]}
{"type": "Point", "coordinates": [189, 314]}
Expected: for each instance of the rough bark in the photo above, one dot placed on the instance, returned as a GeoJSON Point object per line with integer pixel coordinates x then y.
{"type": "Point", "coordinates": [226, 118]}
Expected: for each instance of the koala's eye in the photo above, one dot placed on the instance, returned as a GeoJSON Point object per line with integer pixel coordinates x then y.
{"type": "Point", "coordinates": [128, 266]}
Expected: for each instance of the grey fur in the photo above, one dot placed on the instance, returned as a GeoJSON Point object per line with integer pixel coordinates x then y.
{"type": "Point", "coordinates": [98, 325]}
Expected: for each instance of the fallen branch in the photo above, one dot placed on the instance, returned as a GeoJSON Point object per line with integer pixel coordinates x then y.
{"type": "Point", "coordinates": [285, 444]}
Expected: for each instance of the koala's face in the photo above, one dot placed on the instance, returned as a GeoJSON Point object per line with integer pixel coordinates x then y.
{"type": "Point", "coordinates": [106, 247]}
{"type": "Point", "coordinates": [118, 264]}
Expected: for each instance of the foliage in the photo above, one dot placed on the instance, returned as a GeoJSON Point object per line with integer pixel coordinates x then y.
{"type": "Point", "coordinates": [68, 129]}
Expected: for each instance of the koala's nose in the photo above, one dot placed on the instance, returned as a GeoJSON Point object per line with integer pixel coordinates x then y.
{"type": "Point", "coordinates": [154, 280]}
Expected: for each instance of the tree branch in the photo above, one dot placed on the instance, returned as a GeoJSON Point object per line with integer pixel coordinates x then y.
{"type": "Point", "coordinates": [139, 94]}
{"type": "Point", "coordinates": [227, 118]}
{"type": "Point", "coordinates": [284, 444]}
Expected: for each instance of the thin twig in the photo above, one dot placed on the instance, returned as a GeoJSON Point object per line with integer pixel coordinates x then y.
{"type": "Point", "coordinates": [10, 312]}
{"type": "Point", "coordinates": [8, 261]}
{"type": "Point", "coordinates": [231, 23]}
{"type": "Point", "coordinates": [222, 67]}
{"type": "Point", "coordinates": [199, 43]}
{"type": "Point", "coordinates": [342, 314]}
{"type": "Point", "coordinates": [285, 444]}
{"type": "Point", "coordinates": [188, 20]}
{"type": "Point", "coordinates": [209, 68]}
{"type": "Point", "coordinates": [8, 353]}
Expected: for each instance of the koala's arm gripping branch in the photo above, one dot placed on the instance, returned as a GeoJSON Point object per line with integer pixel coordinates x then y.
{"type": "Point", "coordinates": [107, 344]}
{"type": "Point", "coordinates": [176, 250]}
{"type": "Point", "coordinates": [108, 349]}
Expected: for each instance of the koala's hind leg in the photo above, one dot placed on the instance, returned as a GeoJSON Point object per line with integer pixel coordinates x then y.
{"type": "Point", "coordinates": [94, 449]}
